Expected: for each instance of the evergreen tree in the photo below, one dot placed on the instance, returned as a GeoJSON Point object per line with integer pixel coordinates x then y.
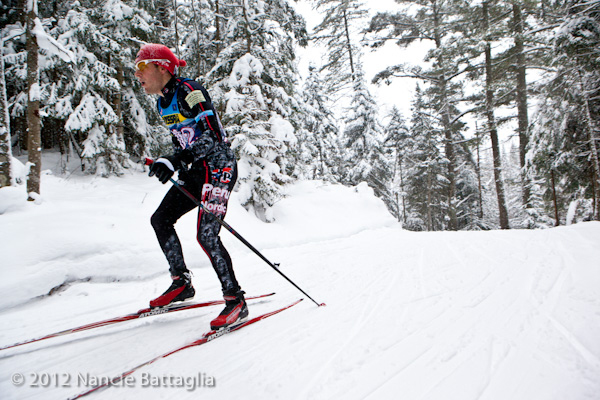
{"type": "Point", "coordinates": [196, 38]}
{"type": "Point", "coordinates": [362, 141]}
{"type": "Point", "coordinates": [90, 102]}
{"type": "Point", "coordinates": [521, 24]}
{"type": "Point", "coordinates": [520, 69]}
{"type": "Point", "coordinates": [425, 20]}
{"type": "Point", "coordinates": [397, 140]}
{"type": "Point", "coordinates": [253, 82]}
{"type": "Point", "coordinates": [338, 33]}
{"type": "Point", "coordinates": [318, 145]}
{"type": "Point", "coordinates": [489, 107]}
{"type": "Point", "coordinates": [90, 65]}
{"type": "Point", "coordinates": [100, 122]}
{"type": "Point", "coordinates": [362, 144]}
{"type": "Point", "coordinates": [424, 172]}
{"type": "Point", "coordinates": [565, 151]}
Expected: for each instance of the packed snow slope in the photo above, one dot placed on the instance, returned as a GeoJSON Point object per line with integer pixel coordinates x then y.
{"type": "Point", "coordinates": [444, 315]}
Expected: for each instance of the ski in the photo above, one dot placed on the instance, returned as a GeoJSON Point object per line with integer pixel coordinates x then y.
{"type": "Point", "coordinates": [144, 312]}
{"type": "Point", "coordinates": [207, 337]}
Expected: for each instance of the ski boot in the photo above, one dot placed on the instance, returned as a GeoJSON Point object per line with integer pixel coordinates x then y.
{"type": "Point", "coordinates": [236, 310]}
{"type": "Point", "coordinates": [181, 289]}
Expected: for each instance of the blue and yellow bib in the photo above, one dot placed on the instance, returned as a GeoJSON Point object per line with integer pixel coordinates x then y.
{"type": "Point", "coordinates": [186, 130]}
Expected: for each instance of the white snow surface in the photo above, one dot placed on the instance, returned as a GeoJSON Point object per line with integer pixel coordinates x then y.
{"type": "Point", "coordinates": [441, 315]}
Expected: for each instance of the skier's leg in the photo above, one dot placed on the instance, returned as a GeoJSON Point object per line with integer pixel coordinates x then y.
{"type": "Point", "coordinates": [173, 206]}
{"type": "Point", "coordinates": [215, 196]}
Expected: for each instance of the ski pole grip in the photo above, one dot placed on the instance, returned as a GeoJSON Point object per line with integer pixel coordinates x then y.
{"type": "Point", "coordinates": [148, 161]}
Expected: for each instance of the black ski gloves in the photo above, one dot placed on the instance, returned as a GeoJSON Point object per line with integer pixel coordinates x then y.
{"type": "Point", "coordinates": [163, 168]}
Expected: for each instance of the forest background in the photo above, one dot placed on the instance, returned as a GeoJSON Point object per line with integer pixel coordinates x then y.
{"type": "Point", "coordinates": [502, 130]}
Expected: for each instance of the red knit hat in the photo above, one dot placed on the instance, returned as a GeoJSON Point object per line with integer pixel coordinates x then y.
{"type": "Point", "coordinates": [160, 55]}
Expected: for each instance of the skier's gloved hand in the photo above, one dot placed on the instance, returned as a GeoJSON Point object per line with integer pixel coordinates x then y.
{"type": "Point", "coordinates": [163, 168]}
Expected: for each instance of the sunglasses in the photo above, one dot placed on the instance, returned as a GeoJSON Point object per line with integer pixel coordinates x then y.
{"type": "Point", "coordinates": [141, 65]}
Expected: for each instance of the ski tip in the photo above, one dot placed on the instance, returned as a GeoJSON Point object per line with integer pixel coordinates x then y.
{"type": "Point", "coordinates": [322, 305]}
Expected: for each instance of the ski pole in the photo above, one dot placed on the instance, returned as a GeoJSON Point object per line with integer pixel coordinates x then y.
{"type": "Point", "coordinates": [149, 161]}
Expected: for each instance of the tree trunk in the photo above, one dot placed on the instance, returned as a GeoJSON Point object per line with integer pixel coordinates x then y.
{"type": "Point", "coordinates": [429, 202]}
{"type": "Point", "coordinates": [247, 20]}
{"type": "Point", "coordinates": [349, 45]}
{"type": "Point", "coordinates": [200, 60]}
{"type": "Point", "coordinates": [478, 170]}
{"type": "Point", "coordinates": [218, 43]}
{"type": "Point", "coordinates": [118, 102]}
{"type": "Point", "coordinates": [523, 118]}
{"type": "Point", "coordinates": [448, 137]}
{"type": "Point", "coordinates": [402, 191]}
{"type": "Point", "coordinates": [595, 193]}
{"type": "Point", "coordinates": [489, 112]}
{"type": "Point", "coordinates": [593, 150]}
{"type": "Point", "coordinates": [34, 145]}
{"type": "Point", "coordinates": [449, 150]}
{"type": "Point", "coordinates": [5, 145]}
{"type": "Point", "coordinates": [554, 199]}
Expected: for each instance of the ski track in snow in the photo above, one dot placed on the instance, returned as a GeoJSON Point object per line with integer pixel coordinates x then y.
{"type": "Point", "coordinates": [440, 315]}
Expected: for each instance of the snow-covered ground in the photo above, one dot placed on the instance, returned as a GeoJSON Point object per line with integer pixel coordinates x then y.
{"type": "Point", "coordinates": [445, 315]}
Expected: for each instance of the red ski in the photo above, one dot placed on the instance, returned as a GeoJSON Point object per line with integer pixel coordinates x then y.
{"type": "Point", "coordinates": [207, 337]}
{"type": "Point", "coordinates": [145, 312]}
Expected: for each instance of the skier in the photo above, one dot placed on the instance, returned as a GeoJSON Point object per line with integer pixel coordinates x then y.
{"type": "Point", "coordinates": [206, 167]}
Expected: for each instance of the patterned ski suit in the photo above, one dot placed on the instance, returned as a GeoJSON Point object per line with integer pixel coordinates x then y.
{"type": "Point", "coordinates": [200, 140]}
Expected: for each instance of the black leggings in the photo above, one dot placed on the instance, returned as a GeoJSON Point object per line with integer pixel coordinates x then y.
{"type": "Point", "coordinates": [212, 186]}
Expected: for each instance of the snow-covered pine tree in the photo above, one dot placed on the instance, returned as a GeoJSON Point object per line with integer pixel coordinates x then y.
{"type": "Point", "coordinates": [121, 21]}
{"type": "Point", "coordinates": [489, 107]}
{"type": "Point", "coordinates": [472, 50]}
{"type": "Point", "coordinates": [362, 140]}
{"type": "Point", "coordinates": [365, 157]}
{"type": "Point", "coordinates": [14, 57]}
{"type": "Point", "coordinates": [579, 42]}
{"type": "Point", "coordinates": [103, 79]}
{"type": "Point", "coordinates": [338, 32]}
{"type": "Point", "coordinates": [90, 119]}
{"type": "Point", "coordinates": [521, 35]}
{"type": "Point", "coordinates": [423, 20]}
{"type": "Point", "coordinates": [519, 53]}
{"type": "Point", "coordinates": [425, 183]}
{"type": "Point", "coordinates": [7, 18]}
{"type": "Point", "coordinates": [101, 149]}
{"type": "Point", "coordinates": [92, 54]}
{"type": "Point", "coordinates": [467, 188]}
{"type": "Point", "coordinates": [253, 82]}
{"type": "Point", "coordinates": [196, 39]}
{"type": "Point", "coordinates": [37, 42]}
{"type": "Point", "coordinates": [396, 139]}
{"type": "Point", "coordinates": [318, 137]}
{"type": "Point", "coordinates": [564, 151]}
